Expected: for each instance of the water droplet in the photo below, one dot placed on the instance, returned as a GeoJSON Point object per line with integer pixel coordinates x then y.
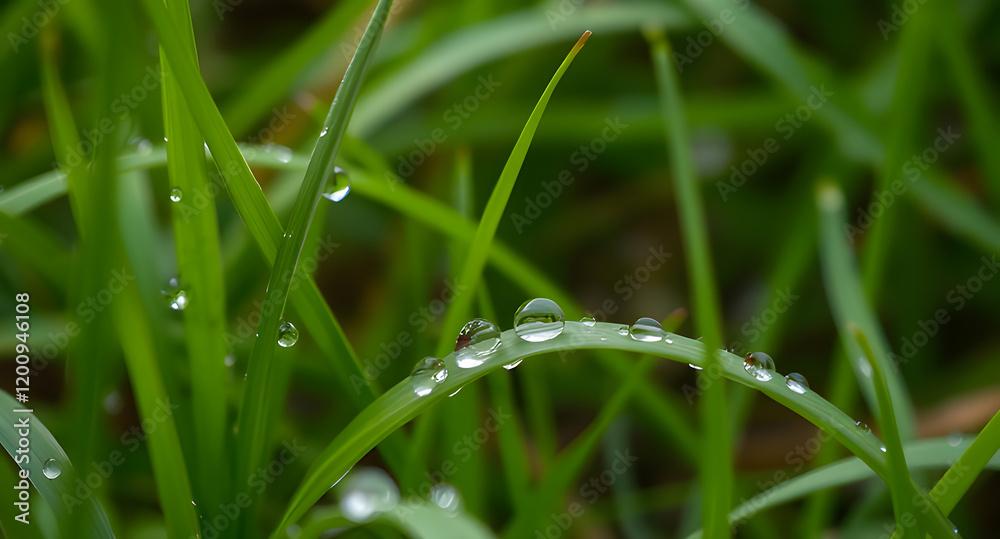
{"type": "Point", "coordinates": [623, 330]}
{"type": "Point", "coordinates": [862, 425]}
{"type": "Point", "coordinates": [647, 330]}
{"type": "Point", "coordinates": [588, 321]}
{"type": "Point", "coordinates": [477, 339]}
{"type": "Point", "coordinates": [511, 366]}
{"type": "Point", "coordinates": [759, 365]}
{"type": "Point", "coordinates": [324, 132]}
{"type": "Point", "coordinates": [229, 360]}
{"type": "Point", "coordinates": [288, 335]}
{"type": "Point", "coordinates": [881, 446]}
{"type": "Point", "coordinates": [113, 403]}
{"type": "Point", "coordinates": [368, 492]}
{"type": "Point", "coordinates": [426, 375]}
{"type": "Point", "coordinates": [165, 139]}
{"type": "Point", "coordinates": [797, 383]}
{"type": "Point", "coordinates": [281, 153]}
{"type": "Point", "coordinates": [174, 295]}
{"type": "Point", "coordinates": [539, 320]}
{"type": "Point", "coordinates": [955, 439]}
{"type": "Point", "coordinates": [145, 147]}
{"type": "Point", "coordinates": [693, 366]}
{"type": "Point", "coordinates": [51, 469]}
{"type": "Point", "coordinates": [336, 184]}
{"type": "Point", "coordinates": [447, 497]}
{"type": "Point", "coordinates": [176, 195]}
{"type": "Point", "coordinates": [865, 366]}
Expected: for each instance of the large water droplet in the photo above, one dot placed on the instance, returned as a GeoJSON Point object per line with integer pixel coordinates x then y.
{"type": "Point", "coordinates": [51, 469]}
{"type": "Point", "coordinates": [759, 365]}
{"type": "Point", "coordinates": [174, 295]}
{"type": "Point", "coordinates": [176, 195]}
{"type": "Point", "coordinates": [477, 339]}
{"type": "Point", "coordinates": [647, 330]}
{"type": "Point", "coordinates": [336, 184]}
{"type": "Point", "coordinates": [368, 492]}
{"type": "Point", "coordinates": [427, 374]}
{"type": "Point", "coordinates": [447, 497]}
{"type": "Point", "coordinates": [588, 321]}
{"type": "Point", "coordinates": [797, 383]}
{"type": "Point", "coordinates": [539, 320]}
{"type": "Point", "coordinates": [288, 335]}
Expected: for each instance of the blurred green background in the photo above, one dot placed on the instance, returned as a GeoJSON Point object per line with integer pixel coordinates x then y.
{"type": "Point", "coordinates": [593, 209]}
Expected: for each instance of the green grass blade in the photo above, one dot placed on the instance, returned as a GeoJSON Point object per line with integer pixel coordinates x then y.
{"type": "Point", "coordinates": [196, 235]}
{"type": "Point", "coordinates": [400, 404]}
{"type": "Point", "coordinates": [570, 462]}
{"type": "Point", "coordinates": [716, 459]}
{"type": "Point", "coordinates": [848, 304]}
{"type": "Point", "coordinates": [58, 492]}
{"type": "Point", "coordinates": [35, 246]}
{"type": "Point", "coordinates": [259, 91]}
{"type": "Point", "coordinates": [982, 452]}
{"type": "Point", "coordinates": [957, 210]}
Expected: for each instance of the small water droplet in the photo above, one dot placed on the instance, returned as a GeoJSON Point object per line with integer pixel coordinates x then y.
{"type": "Point", "coordinates": [588, 321]}
{"type": "Point", "coordinates": [881, 446]}
{"type": "Point", "coordinates": [955, 439]}
{"type": "Point", "coordinates": [174, 295]}
{"type": "Point", "coordinates": [797, 383]}
{"type": "Point", "coordinates": [759, 365]}
{"type": "Point", "coordinates": [281, 153]}
{"type": "Point", "coordinates": [324, 132]}
{"type": "Point", "coordinates": [477, 339]}
{"type": "Point", "coordinates": [511, 366]}
{"type": "Point", "coordinates": [113, 403]}
{"type": "Point", "coordinates": [368, 492]}
{"type": "Point", "coordinates": [145, 147]}
{"type": "Point", "coordinates": [165, 139]}
{"type": "Point", "coordinates": [427, 374]}
{"type": "Point", "coordinates": [229, 360]}
{"type": "Point", "coordinates": [447, 497]}
{"type": "Point", "coordinates": [176, 195]}
{"type": "Point", "coordinates": [693, 366]}
{"type": "Point", "coordinates": [862, 425]}
{"type": "Point", "coordinates": [51, 469]}
{"type": "Point", "coordinates": [336, 184]}
{"type": "Point", "coordinates": [288, 334]}
{"type": "Point", "coordinates": [647, 330]}
{"type": "Point", "coordinates": [623, 330]}
{"type": "Point", "coordinates": [538, 320]}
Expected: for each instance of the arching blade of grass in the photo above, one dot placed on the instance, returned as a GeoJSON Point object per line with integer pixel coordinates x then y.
{"type": "Point", "coordinates": [58, 492]}
{"type": "Point", "coordinates": [716, 458]}
{"type": "Point", "coordinates": [260, 397]}
{"type": "Point", "coordinates": [400, 404]}
{"type": "Point", "coordinates": [906, 494]}
{"type": "Point", "coordinates": [477, 45]}
{"type": "Point", "coordinates": [259, 91]}
{"type": "Point", "coordinates": [570, 462]}
{"type": "Point", "coordinates": [196, 235]}
{"type": "Point", "coordinates": [921, 454]}
{"type": "Point", "coordinates": [848, 304]}
{"type": "Point", "coordinates": [982, 452]}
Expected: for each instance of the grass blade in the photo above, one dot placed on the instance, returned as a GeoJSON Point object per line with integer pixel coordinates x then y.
{"type": "Point", "coordinates": [984, 451]}
{"type": "Point", "coordinates": [716, 458]}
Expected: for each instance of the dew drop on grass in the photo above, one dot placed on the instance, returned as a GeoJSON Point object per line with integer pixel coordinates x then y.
{"type": "Point", "coordinates": [447, 497]}
{"type": "Point", "coordinates": [511, 366]}
{"type": "Point", "coordinates": [477, 339]}
{"type": "Point", "coordinates": [174, 295]}
{"type": "Point", "coordinates": [51, 469]}
{"type": "Point", "coordinates": [955, 439]}
{"type": "Point", "coordinates": [647, 330]}
{"type": "Point", "coordinates": [366, 493]}
{"type": "Point", "coordinates": [229, 360]}
{"type": "Point", "coordinates": [538, 320]}
{"type": "Point", "coordinates": [588, 321]}
{"type": "Point", "coordinates": [176, 195]}
{"type": "Point", "coordinates": [145, 147]}
{"type": "Point", "coordinates": [281, 153]}
{"type": "Point", "coordinates": [288, 335]}
{"type": "Point", "coordinates": [336, 184]}
{"type": "Point", "coordinates": [862, 426]}
{"type": "Point", "coordinates": [427, 374]}
{"type": "Point", "coordinates": [797, 383]}
{"type": "Point", "coordinates": [623, 330]}
{"type": "Point", "coordinates": [759, 365]}
{"type": "Point", "coordinates": [324, 132]}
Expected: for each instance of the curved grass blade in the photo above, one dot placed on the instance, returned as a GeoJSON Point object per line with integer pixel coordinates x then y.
{"type": "Point", "coordinates": [716, 459]}
{"type": "Point", "coordinates": [848, 304]}
{"type": "Point", "coordinates": [984, 451]}
{"type": "Point", "coordinates": [400, 404]}
{"type": "Point", "coordinates": [260, 397]}
{"type": "Point", "coordinates": [59, 492]}
{"type": "Point", "coordinates": [906, 494]}
{"type": "Point", "coordinates": [196, 235]}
